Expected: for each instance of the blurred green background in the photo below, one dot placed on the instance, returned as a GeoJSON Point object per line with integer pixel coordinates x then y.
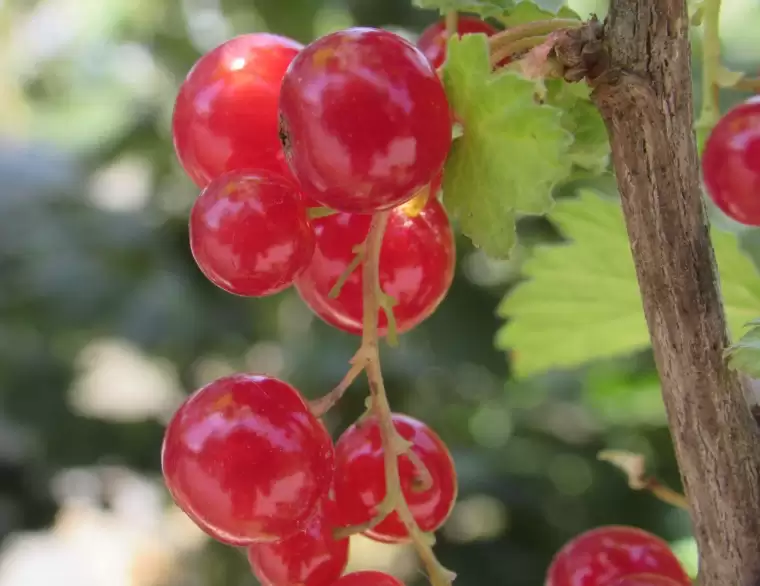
{"type": "Point", "coordinates": [106, 323]}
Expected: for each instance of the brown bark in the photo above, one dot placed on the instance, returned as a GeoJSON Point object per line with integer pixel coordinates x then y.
{"type": "Point", "coordinates": [644, 94]}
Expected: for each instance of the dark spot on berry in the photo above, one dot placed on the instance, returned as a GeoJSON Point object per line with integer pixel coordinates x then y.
{"type": "Point", "coordinates": [418, 483]}
{"type": "Point", "coordinates": [284, 135]}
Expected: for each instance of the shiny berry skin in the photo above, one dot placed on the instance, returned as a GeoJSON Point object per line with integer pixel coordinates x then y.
{"type": "Point", "coordinates": [311, 557]}
{"type": "Point", "coordinates": [365, 122]}
{"type": "Point", "coordinates": [246, 458]}
{"type": "Point", "coordinates": [645, 580]}
{"type": "Point", "coordinates": [602, 555]}
{"type": "Point", "coordinates": [731, 163]}
{"type": "Point", "coordinates": [417, 261]}
{"type": "Point", "coordinates": [368, 578]}
{"type": "Point", "coordinates": [360, 478]}
{"type": "Point", "coordinates": [225, 538]}
{"type": "Point", "coordinates": [432, 41]}
{"type": "Point", "coordinates": [249, 233]}
{"type": "Point", "coordinates": [225, 117]}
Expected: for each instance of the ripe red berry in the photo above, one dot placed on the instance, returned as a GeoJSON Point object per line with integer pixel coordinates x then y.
{"type": "Point", "coordinates": [416, 267]}
{"type": "Point", "coordinates": [368, 578]}
{"type": "Point", "coordinates": [246, 458]}
{"type": "Point", "coordinates": [249, 233]}
{"type": "Point", "coordinates": [364, 120]}
{"type": "Point", "coordinates": [731, 163]}
{"type": "Point", "coordinates": [311, 557]}
{"type": "Point", "coordinates": [225, 116]}
{"type": "Point", "coordinates": [360, 477]}
{"type": "Point", "coordinates": [599, 556]}
{"type": "Point", "coordinates": [432, 41]}
{"type": "Point", "coordinates": [225, 538]}
{"type": "Point", "coordinates": [645, 580]}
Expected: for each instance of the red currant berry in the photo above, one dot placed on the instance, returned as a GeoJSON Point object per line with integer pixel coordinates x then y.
{"type": "Point", "coordinates": [249, 233]}
{"type": "Point", "coordinates": [364, 120]}
{"type": "Point", "coordinates": [602, 555]}
{"type": "Point", "coordinates": [432, 41]}
{"type": "Point", "coordinates": [360, 477]}
{"type": "Point", "coordinates": [731, 163]}
{"type": "Point", "coordinates": [225, 538]}
{"type": "Point", "coordinates": [311, 557]}
{"type": "Point", "coordinates": [416, 267]}
{"type": "Point", "coordinates": [245, 457]}
{"type": "Point", "coordinates": [368, 578]}
{"type": "Point", "coordinates": [225, 117]}
{"type": "Point", "coordinates": [645, 580]}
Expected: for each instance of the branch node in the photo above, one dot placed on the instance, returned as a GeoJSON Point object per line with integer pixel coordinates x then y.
{"type": "Point", "coordinates": [580, 52]}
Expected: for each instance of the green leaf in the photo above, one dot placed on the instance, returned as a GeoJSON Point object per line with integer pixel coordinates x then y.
{"type": "Point", "coordinates": [739, 281]}
{"type": "Point", "coordinates": [484, 8]}
{"type": "Point", "coordinates": [745, 354]}
{"type": "Point", "coordinates": [620, 393]}
{"type": "Point", "coordinates": [530, 12]}
{"type": "Point", "coordinates": [741, 292]}
{"type": "Point", "coordinates": [581, 301]}
{"type": "Point", "coordinates": [591, 146]}
{"type": "Point", "coordinates": [687, 553]}
{"type": "Point", "coordinates": [728, 78]}
{"type": "Point", "coordinates": [511, 153]}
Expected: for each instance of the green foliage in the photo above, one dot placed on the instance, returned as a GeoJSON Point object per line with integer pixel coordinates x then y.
{"type": "Point", "coordinates": [621, 393]}
{"type": "Point", "coordinates": [511, 153]}
{"type": "Point", "coordinates": [591, 147]}
{"type": "Point", "coordinates": [740, 281]}
{"type": "Point", "coordinates": [509, 12]}
{"type": "Point", "coordinates": [745, 354]}
{"type": "Point", "coordinates": [530, 12]}
{"type": "Point", "coordinates": [483, 7]}
{"type": "Point", "coordinates": [581, 301]}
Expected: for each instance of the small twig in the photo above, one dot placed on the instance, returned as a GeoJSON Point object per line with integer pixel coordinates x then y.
{"type": "Point", "coordinates": [452, 23]}
{"type": "Point", "coordinates": [319, 212]}
{"type": "Point", "coordinates": [748, 84]}
{"type": "Point", "coordinates": [515, 47]}
{"type": "Point", "coordinates": [634, 467]}
{"type": "Point", "coordinates": [385, 508]}
{"type": "Point", "coordinates": [529, 29]}
{"type": "Point", "coordinates": [424, 480]}
{"type": "Point", "coordinates": [348, 271]}
{"type": "Point", "coordinates": [326, 402]}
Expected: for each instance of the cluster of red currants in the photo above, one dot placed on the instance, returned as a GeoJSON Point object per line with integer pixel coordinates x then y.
{"type": "Point", "coordinates": [294, 149]}
{"type": "Point", "coordinates": [248, 462]}
{"type": "Point", "coordinates": [731, 163]}
{"type": "Point", "coordinates": [616, 556]}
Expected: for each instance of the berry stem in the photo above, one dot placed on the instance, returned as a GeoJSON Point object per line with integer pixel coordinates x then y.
{"type": "Point", "coordinates": [748, 84]}
{"type": "Point", "coordinates": [424, 478]}
{"type": "Point", "coordinates": [515, 47]}
{"type": "Point", "coordinates": [634, 467]}
{"type": "Point", "coordinates": [393, 444]}
{"type": "Point", "coordinates": [320, 212]}
{"type": "Point", "coordinates": [452, 22]}
{"type": "Point", "coordinates": [710, 64]}
{"type": "Point", "coordinates": [326, 402]}
{"type": "Point", "coordinates": [368, 359]}
{"type": "Point", "coordinates": [530, 29]}
{"type": "Point", "coordinates": [352, 266]}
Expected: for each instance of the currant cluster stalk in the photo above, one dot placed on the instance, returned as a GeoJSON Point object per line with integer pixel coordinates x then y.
{"type": "Point", "coordinates": [393, 444]}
